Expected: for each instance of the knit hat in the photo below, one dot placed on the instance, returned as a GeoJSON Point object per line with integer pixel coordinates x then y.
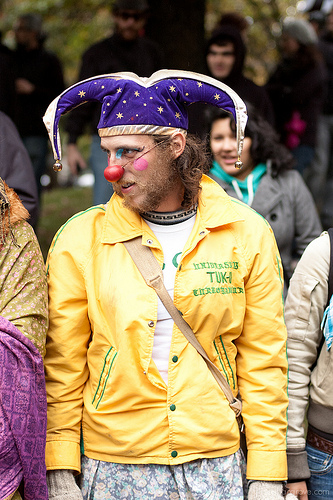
{"type": "Point", "coordinates": [300, 30]}
{"type": "Point", "coordinates": [155, 105]}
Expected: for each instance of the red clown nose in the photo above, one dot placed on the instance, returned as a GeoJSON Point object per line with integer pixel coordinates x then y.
{"type": "Point", "coordinates": [113, 173]}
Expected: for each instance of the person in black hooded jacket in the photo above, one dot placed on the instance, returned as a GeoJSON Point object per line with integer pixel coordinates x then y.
{"type": "Point", "coordinates": [225, 57]}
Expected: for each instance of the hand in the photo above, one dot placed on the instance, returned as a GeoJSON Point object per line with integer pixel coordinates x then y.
{"type": "Point", "coordinates": [268, 490]}
{"type": "Point", "coordinates": [75, 159]}
{"type": "Point", "coordinates": [299, 489]}
{"type": "Point", "coordinates": [62, 486]}
{"type": "Point", "coordinates": [23, 86]}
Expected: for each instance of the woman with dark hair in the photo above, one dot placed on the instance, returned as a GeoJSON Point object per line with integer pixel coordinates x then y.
{"type": "Point", "coordinates": [266, 182]}
{"type": "Point", "coordinates": [297, 89]}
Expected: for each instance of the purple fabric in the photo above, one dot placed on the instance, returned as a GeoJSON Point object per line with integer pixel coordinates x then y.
{"type": "Point", "coordinates": [22, 415]}
{"type": "Point", "coordinates": [126, 102]}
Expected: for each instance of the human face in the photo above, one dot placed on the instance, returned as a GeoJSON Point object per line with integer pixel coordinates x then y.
{"type": "Point", "coordinates": [223, 145]}
{"type": "Point", "coordinates": [289, 45]}
{"type": "Point", "coordinates": [149, 182]}
{"type": "Point", "coordinates": [221, 60]}
{"type": "Point", "coordinates": [25, 37]}
{"type": "Point", "coordinates": [129, 24]}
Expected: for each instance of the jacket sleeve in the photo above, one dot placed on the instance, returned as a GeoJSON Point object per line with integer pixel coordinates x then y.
{"type": "Point", "coordinates": [262, 363]}
{"type": "Point", "coordinates": [305, 304]}
{"type": "Point", "coordinates": [16, 168]}
{"type": "Point", "coordinates": [66, 351]}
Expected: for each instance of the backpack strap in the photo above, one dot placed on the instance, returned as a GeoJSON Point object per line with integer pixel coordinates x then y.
{"type": "Point", "coordinates": [330, 274]}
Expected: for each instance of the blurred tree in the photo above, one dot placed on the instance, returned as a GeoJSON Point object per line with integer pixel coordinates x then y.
{"type": "Point", "coordinates": [181, 33]}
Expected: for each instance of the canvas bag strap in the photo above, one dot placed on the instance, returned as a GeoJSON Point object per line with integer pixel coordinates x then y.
{"type": "Point", "coordinates": [148, 266]}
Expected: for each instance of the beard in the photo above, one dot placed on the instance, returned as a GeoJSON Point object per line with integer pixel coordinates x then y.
{"type": "Point", "coordinates": [162, 180]}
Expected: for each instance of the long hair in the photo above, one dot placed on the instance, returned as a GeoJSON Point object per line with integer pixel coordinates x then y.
{"type": "Point", "coordinates": [265, 141]}
{"type": "Point", "coordinates": [190, 165]}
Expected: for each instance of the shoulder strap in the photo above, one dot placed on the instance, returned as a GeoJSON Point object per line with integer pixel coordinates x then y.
{"type": "Point", "coordinates": [330, 274]}
{"type": "Point", "coordinates": [148, 266]}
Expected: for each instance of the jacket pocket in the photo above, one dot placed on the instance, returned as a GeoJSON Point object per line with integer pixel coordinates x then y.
{"type": "Point", "coordinates": [224, 362]}
{"type": "Point", "coordinates": [104, 377]}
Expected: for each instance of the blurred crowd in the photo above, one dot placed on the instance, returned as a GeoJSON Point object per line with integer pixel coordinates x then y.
{"type": "Point", "coordinates": [295, 102]}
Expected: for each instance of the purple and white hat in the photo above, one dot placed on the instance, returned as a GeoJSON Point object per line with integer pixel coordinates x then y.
{"type": "Point", "coordinates": [154, 105]}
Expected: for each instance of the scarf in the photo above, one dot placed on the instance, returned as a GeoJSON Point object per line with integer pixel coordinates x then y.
{"type": "Point", "coordinates": [245, 189]}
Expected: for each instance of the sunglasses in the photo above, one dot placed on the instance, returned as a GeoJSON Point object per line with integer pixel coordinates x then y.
{"type": "Point", "coordinates": [137, 16]}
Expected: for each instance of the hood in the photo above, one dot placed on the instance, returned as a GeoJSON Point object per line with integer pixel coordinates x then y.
{"type": "Point", "coordinates": [230, 34]}
{"type": "Point", "coordinates": [12, 209]}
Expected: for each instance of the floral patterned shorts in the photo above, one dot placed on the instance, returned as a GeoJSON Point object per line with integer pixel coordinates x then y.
{"type": "Point", "coordinates": [214, 479]}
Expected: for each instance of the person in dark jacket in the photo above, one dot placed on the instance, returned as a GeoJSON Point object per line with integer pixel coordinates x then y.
{"type": "Point", "coordinates": [125, 50]}
{"type": "Point", "coordinates": [38, 79]}
{"type": "Point", "coordinates": [320, 175]}
{"type": "Point", "coordinates": [225, 57]}
{"type": "Point", "coordinates": [297, 89]}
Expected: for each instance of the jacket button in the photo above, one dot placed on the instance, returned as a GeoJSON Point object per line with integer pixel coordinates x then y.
{"type": "Point", "coordinates": [175, 359]}
{"type": "Point", "coordinates": [273, 217]}
{"type": "Point", "coordinates": [150, 242]}
{"type": "Point", "coordinates": [174, 454]}
{"type": "Point", "coordinates": [172, 407]}
{"type": "Point", "coordinates": [202, 233]}
{"type": "Point", "coordinates": [151, 324]}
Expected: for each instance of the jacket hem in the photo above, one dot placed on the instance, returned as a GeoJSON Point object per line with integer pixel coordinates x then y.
{"type": "Point", "coordinates": [298, 468]}
{"type": "Point", "coordinates": [97, 455]}
{"type": "Point", "coordinates": [320, 417]}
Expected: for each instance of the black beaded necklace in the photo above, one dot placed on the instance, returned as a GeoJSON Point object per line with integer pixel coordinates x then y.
{"type": "Point", "coordinates": [168, 218]}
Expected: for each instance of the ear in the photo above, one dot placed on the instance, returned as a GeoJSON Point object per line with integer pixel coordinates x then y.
{"type": "Point", "coordinates": [178, 144]}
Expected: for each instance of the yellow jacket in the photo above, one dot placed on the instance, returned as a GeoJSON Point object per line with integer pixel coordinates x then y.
{"type": "Point", "coordinates": [104, 391]}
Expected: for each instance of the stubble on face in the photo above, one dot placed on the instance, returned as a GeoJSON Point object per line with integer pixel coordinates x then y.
{"type": "Point", "coordinates": [155, 188]}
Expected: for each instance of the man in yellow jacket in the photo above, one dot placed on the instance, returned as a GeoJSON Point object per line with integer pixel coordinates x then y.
{"type": "Point", "coordinates": [131, 403]}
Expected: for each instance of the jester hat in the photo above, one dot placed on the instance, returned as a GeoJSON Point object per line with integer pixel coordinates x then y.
{"type": "Point", "coordinates": [154, 105]}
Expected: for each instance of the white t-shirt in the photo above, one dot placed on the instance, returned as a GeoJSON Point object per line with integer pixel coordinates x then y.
{"type": "Point", "coordinates": [172, 238]}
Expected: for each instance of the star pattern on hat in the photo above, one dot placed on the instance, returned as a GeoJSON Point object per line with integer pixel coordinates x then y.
{"type": "Point", "coordinates": [159, 101]}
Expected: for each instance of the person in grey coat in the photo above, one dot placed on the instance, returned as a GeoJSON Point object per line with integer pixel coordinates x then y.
{"type": "Point", "coordinates": [266, 182]}
{"type": "Point", "coordinates": [16, 167]}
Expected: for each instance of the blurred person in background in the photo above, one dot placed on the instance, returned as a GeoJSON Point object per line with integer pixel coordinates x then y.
{"type": "Point", "coordinates": [16, 168]}
{"type": "Point", "coordinates": [38, 79]}
{"type": "Point", "coordinates": [320, 174]}
{"type": "Point", "coordinates": [225, 58]}
{"type": "Point", "coordinates": [297, 89]}
{"type": "Point", "coordinates": [126, 50]}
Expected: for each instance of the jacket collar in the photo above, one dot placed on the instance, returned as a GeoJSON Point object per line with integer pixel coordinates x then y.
{"type": "Point", "coordinates": [215, 209]}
